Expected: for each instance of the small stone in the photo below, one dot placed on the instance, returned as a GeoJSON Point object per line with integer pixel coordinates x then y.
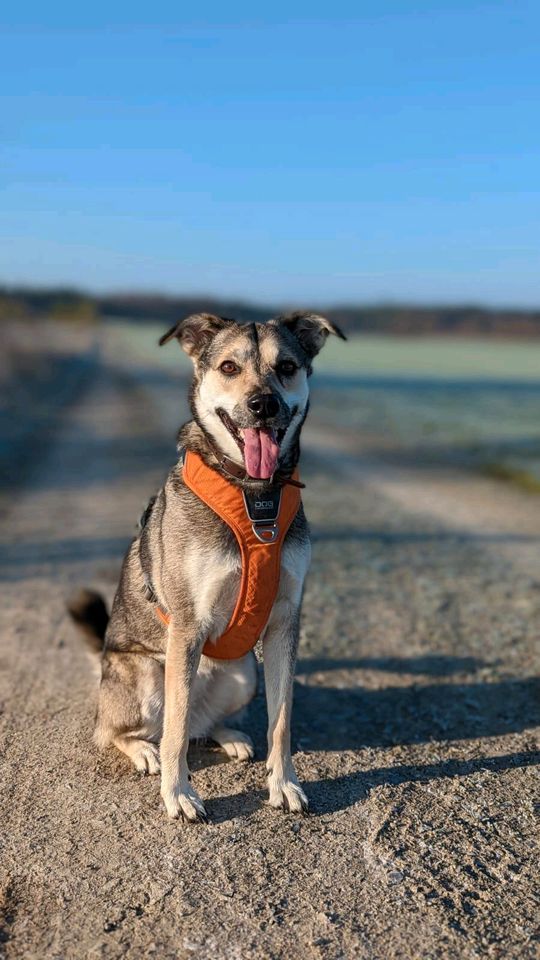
{"type": "Point", "coordinates": [395, 877]}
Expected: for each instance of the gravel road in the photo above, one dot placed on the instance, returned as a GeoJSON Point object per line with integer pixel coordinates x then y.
{"type": "Point", "coordinates": [416, 707]}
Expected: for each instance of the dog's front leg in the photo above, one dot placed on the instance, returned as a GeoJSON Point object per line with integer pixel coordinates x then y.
{"type": "Point", "coordinates": [280, 645]}
{"type": "Point", "coordinates": [181, 662]}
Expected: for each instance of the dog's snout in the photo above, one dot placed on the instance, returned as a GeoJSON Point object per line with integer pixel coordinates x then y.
{"type": "Point", "coordinates": [263, 405]}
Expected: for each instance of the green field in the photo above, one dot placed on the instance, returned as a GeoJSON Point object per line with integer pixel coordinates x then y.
{"type": "Point", "coordinates": [426, 357]}
{"type": "Point", "coordinates": [422, 357]}
{"type": "Point", "coordinates": [472, 403]}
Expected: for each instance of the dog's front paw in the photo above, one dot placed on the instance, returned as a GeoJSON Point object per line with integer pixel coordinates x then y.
{"type": "Point", "coordinates": [184, 802]}
{"type": "Point", "coordinates": [287, 794]}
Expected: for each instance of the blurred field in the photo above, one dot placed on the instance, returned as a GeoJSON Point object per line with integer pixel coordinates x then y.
{"type": "Point", "coordinates": [435, 357]}
{"type": "Point", "coordinates": [466, 402]}
{"type": "Point", "coordinates": [425, 357]}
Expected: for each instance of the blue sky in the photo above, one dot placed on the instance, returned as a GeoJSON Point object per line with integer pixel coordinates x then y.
{"type": "Point", "coordinates": [308, 154]}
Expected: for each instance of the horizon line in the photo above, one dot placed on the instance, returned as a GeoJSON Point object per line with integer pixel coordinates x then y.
{"type": "Point", "coordinates": [241, 300]}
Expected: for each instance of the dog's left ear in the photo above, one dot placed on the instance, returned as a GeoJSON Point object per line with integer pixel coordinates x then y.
{"type": "Point", "coordinates": [310, 329]}
{"type": "Point", "coordinates": [195, 332]}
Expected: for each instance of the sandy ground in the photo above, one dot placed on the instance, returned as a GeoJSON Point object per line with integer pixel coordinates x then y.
{"type": "Point", "coordinates": [416, 708]}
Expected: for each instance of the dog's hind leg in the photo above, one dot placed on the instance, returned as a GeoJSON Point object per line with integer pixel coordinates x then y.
{"type": "Point", "coordinates": [222, 689]}
{"type": "Point", "coordinates": [130, 708]}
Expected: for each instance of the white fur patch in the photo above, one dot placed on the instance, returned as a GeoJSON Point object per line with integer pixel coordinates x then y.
{"type": "Point", "coordinates": [214, 577]}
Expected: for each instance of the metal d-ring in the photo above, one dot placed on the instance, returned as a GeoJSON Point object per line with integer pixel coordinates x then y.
{"type": "Point", "coordinates": [266, 533]}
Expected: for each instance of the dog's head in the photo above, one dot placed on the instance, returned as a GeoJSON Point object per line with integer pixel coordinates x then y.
{"type": "Point", "coordinates": [250, 390]}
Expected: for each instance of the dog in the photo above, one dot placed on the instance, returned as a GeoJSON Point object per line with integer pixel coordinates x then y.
{"type": "Point", "coordinates": [249, 399]}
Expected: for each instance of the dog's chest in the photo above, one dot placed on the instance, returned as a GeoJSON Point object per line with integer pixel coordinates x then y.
{"type": "Point", "coordinates": [215, 576]}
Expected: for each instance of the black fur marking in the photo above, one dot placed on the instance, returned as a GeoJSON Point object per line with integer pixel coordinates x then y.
{"type": "Point", "coordinates": [254, 332]}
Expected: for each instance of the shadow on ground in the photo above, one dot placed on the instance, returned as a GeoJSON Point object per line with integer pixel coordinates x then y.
{"type": "Point", "coordinates": [331, 794]}
{"type": "Point", "coordinates": [333, 720]}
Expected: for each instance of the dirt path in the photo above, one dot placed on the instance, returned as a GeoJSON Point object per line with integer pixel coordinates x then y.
{"type": "Point", "coordinates": [414, 730]}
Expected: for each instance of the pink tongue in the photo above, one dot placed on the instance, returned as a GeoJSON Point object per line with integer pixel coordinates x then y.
{"type": "Point", "coordinates": [260, 453]}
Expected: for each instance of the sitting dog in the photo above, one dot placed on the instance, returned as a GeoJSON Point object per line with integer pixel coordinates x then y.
{"type": "Point", "coordinates": [220, 561]}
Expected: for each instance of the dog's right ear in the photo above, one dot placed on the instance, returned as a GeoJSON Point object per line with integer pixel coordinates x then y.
{"type": "Point", "coordinates": [195, 332]}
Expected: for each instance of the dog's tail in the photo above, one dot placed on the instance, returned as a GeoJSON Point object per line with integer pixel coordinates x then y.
{"type": "Point", "coordinates": [88, 611]}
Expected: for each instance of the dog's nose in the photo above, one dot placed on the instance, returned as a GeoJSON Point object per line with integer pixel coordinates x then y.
{"type": "Point", "coordinates": [263, 405]}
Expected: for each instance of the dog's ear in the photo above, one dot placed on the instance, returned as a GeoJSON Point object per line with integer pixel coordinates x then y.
{"type": "Point", "coordinates": [195, 332]}
{"type": "Point", "coordinates": [310, 330]}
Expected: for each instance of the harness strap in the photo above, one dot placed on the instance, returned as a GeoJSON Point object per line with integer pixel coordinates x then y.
{"type": "Point", "coordinates": [260, 525]}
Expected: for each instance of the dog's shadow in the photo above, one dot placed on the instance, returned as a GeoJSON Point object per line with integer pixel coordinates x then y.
{"type": "Point", "coordinates": [430, 699]}
{"type": "Point", "coordinates": [350, 717]}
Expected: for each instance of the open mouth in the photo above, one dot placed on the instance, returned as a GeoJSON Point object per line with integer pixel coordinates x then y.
{"type": "Point", "coordinates": [259, 446]}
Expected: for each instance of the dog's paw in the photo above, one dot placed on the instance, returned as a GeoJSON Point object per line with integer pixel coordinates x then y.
{"type": "Point", "coordinates": [184, 803]}
{"type": "Point", "coordinates": [237, 745]}
{"type": "Point", "coordinates": [287, 795]}
{"type": "Point", "coordinates": [145, 756]}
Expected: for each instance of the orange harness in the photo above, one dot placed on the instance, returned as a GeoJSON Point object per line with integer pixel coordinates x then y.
{"type": "Point", "coordinates": [260, 525]}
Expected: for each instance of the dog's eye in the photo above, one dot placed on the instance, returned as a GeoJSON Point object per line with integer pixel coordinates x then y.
{"type": "Point", "coordinates": [229, 368]}
{"type": "Point", "coordinates": [286, 368]}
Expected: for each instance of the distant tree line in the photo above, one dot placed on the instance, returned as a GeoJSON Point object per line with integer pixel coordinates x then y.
{"type": "Point", "coordinates": [67, 304]}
